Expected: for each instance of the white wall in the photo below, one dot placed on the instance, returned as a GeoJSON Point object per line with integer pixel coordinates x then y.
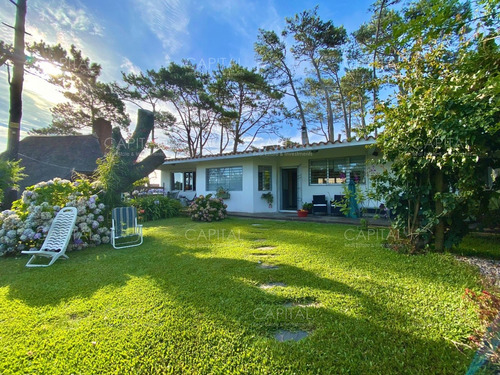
{"type": "Point", "coordinates": [249, 199]}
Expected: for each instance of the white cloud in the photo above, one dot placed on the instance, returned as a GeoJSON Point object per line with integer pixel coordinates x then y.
{"type": "Point", "coordinates": [129, 67]}
{"type": "Point", "coordinates": [66, 17]}
{"type": "Point", "coordinates": [167, 19]}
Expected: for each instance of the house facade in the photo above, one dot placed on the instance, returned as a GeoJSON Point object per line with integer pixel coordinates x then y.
{"type": "Point", "coordinates": [291, 174]}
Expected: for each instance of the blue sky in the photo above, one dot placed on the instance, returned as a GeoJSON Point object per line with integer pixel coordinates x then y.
{"type": "Point", "coordinates": [133, 35]}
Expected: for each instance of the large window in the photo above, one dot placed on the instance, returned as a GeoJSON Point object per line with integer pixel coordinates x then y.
{"type": "Point", "coordinates": [229, 178]}
{"type": "Point", "coordinates": [336, 171]}
{"type": "Point", "coordinates": [183, 181]}
{"type": "Point", "coordinates": [265, 175]}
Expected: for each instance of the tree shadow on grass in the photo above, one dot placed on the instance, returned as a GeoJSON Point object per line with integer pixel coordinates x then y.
{"type": "Point", "coordinates": [225, 291]}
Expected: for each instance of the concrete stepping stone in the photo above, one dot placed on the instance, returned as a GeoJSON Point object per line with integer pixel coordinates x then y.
{"type": "Point", "coordinates": [284, 335]}
{"type": "Point", "coordinates": [299, 304]}
{"type": "Point", "coordinates": [264, 248]}
{"type": "Point", "coordinates": [256, 225]}
{"type": "Point", "coordinates": [259, 240]}
{"type": "Point", "coordinates": [271, 285]}
{"type": "Point", "coordinates": [267, 266]}
{"type": "Point", "coordinates": [263, 254]}
{"type": "Point", "coordinates": [303, 302]}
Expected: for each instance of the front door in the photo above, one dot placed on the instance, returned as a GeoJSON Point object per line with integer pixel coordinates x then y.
{"type": "Point", "coordinates": [289, 189]}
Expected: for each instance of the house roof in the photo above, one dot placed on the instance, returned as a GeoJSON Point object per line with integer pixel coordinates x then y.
{"type": "Point", "coordinates": [47, 157]}
{"type": "Point", "coordinates": [277, 150]}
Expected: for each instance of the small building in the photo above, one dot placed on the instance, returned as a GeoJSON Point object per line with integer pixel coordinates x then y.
{"type": "Point", "coordinates": [45, 157]}
{"type": "Point", "coordinates": [292, 174]}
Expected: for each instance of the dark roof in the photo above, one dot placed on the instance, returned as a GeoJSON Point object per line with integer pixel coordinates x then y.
{"type": "Point", "coordinates": [47, 157]}
{"type": "Point", "coordinates": [276, 149]}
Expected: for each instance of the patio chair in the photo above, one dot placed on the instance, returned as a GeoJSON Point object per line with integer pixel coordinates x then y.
{"type": "Point", "coordinates": [57, 239]}
{"type": "Point", "coordinates": [124, 226]}
{"type": "Point", "coordinates": [319, 205]}
{"type": "Point", "coordinates": [187, 197]}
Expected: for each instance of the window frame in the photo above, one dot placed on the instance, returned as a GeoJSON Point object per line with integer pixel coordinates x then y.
{"type": "Point", "coordinates": [346, 167]}
{"type": "Point", "coordinates": [260, 177]}
{"type": "Point", "coordinates": [228, 184]}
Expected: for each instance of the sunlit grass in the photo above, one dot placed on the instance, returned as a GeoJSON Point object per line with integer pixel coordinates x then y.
{"type": "Point", "coordinates": [188, 301]}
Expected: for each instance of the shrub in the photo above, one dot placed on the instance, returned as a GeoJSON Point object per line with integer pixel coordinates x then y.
{"type": "Point", "coordinates": [28, 223]}
{"type": "Point", "coordinates": [206, 208]}
{"type": "Point", "coordinates": [155, 207]}
{"type": "Point", "coordinates": [10, 175]}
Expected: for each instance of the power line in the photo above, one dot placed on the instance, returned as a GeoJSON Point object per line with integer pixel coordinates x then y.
{"type": "Point", "coordinates": [44, 162]}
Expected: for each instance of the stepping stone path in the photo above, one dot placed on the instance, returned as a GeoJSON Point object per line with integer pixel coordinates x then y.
{"type": "Point", "coordinates": [264, 248]}
{"type": "Point", "coordinates": [259, 240]}
{"type": "Point", "coordinates": [283, 335]}
{"type": "Point", "coordinates": [301, 304]}
{"type": "Point", "coordinates": [271, 285]}
{"type": "Point", "coordinates": [268, 266]}
{"type": "Point", "coordinates": [263, 254]}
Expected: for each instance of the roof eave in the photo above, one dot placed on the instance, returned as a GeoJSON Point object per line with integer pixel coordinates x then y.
{"type": "Point", "coordinates": [279, 151]}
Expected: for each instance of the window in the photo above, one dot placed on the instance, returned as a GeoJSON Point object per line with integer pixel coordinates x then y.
{"type": "Point", "coordinates": [318, 172]}
{"type": "Point", "coordinates": [337, 171]}
{"type": "Point", "coordinates": [183, 181]}
{"type": "Point", "coordinates": [177, 181]}
{"type": "Point", "coordinates": [229, 178]}
{"type": "Point", "coordinates": [189, 181]}
{"type": "Point", "coordinates": [264, 176]}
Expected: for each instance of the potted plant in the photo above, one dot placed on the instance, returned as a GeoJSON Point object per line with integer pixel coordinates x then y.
{"type": "Point", "coordinates": [304, 211]}
{"type": "Point", "coordinates": [268, 197]}
{"type": "Point", "coordinates": [308, 207]}
{"type": "Point", "coordinates": [222, 193]}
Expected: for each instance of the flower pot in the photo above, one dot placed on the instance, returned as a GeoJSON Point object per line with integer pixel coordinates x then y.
{"type": "Point", "coordinates": [302, 213]}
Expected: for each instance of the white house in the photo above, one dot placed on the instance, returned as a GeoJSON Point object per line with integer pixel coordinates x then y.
{"type": "Point", "coordinates": [292, 174]}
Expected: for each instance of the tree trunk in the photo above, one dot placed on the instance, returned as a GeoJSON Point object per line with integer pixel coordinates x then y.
{"type": "Point", "coordinates": [130, 151]}
{"type": "Point", "coordinates": [16, 95]}
{"type": "Point", "coordinates": [303, 128]}
{"type": "Point", "coordinates": [329, 111]}
{"type": "Point", "coordinates": [439, 229]}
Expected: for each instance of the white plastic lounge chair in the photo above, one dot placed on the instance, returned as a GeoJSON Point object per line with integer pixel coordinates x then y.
{"type": "Point", "coordinates": [124, 226]}
{"type": "Point", "coordinates": [57, 239]}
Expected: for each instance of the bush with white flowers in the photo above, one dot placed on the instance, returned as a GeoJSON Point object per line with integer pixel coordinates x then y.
{"type": "Point", "coordinates": [27, 224]}
{"type": "Point", "coordinates": [206, 208]}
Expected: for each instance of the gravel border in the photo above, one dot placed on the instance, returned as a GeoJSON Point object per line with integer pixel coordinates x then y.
{"type": "Point", "coordinates": [488, 268]}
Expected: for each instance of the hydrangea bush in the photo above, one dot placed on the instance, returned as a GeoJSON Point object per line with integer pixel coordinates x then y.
{"type": "Point", "coordinates": [27, 224]}
{"type": "Point", "coordinates": [206, 208]}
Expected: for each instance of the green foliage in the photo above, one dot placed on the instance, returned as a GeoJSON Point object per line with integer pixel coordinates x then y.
{"type": "Point", "coordinates": [109, 173]}
{"type": "Point", "coordinates": [250, 103]}
{"type": "Point", "coordinates": [27, 224]}
{"type": "Point", "coordinates": [206, 208]}
{"type": "Point", "coordinates": [88, 98]}
{"type": "Point", "coordinates": [141, 183]}
{"type": "Point", "coordinates": [10, 174]}
{"type": "Point", "coordinates": [155, 207]}
{"type": "Point", "coordinates": [319, 43]}
{"type": "Point", "coordinates": [185, 294]}
{"type": "Point", "coordinates": [54, 193]}
{"type": "Point", "coordinates": [308, 206]}
{"type": "Point", "coordinates": [268, 197]}
{"type": "Point", "coordinates": [441, 132]}
{"type": "Point", "coordinates": [222, 193]}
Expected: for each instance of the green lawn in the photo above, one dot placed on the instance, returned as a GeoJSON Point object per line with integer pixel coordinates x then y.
{"type": "Point", "coordinates": [188, 301]}
{"type": "Point", "coordinates": [480, 245]}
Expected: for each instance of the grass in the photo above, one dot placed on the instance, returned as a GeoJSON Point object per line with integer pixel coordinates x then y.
{"type": "Point", "coordinates": [480, 245]}
{"type": "Point", "coordinates": [188, 301]}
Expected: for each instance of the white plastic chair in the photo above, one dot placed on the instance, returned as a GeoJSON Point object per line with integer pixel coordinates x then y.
{"type": "Point", "coordinates": [124, 226]}
{"type": "Point", "coordinates": [57, 239]}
